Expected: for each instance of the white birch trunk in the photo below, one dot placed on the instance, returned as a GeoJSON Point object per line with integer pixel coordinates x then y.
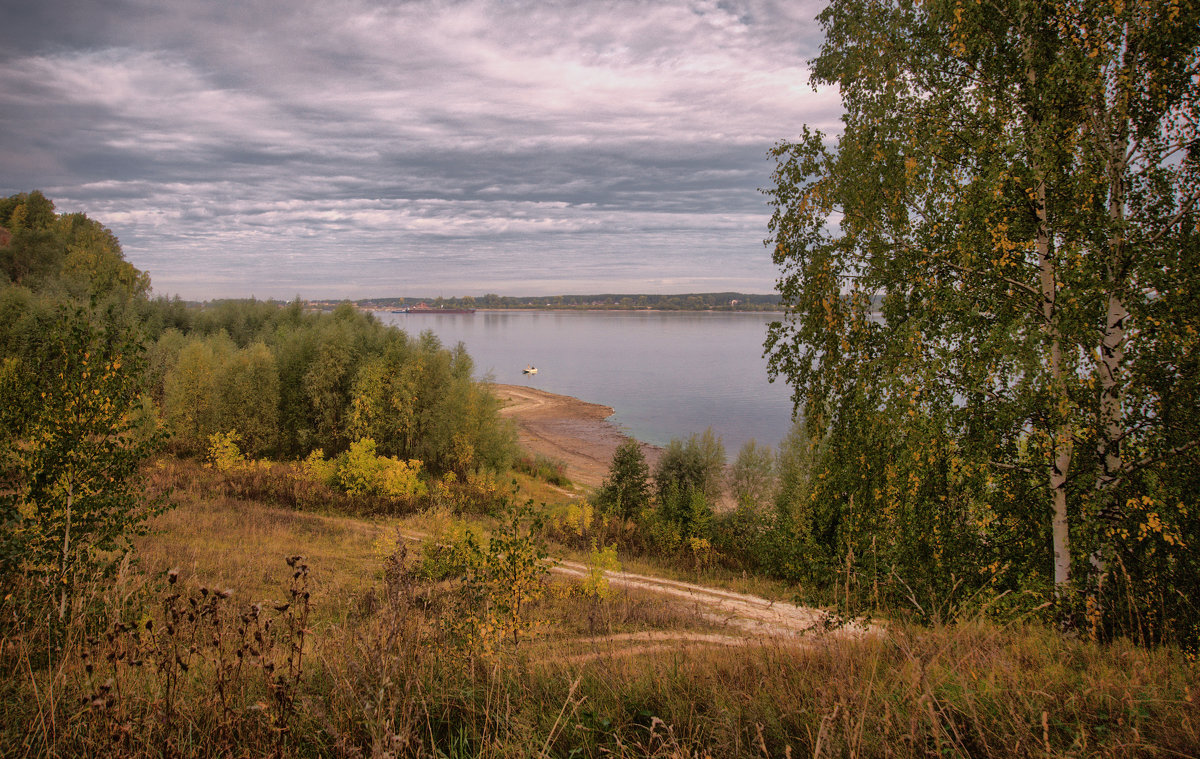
{"type": "Point", "coordinates": [1113, 340]}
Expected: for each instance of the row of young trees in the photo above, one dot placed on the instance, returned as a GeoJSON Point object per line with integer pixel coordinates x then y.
{"type": "Point", "coordinates": [683, 504]}
{"type": "Point", "coordinates": [290, 381]}
{"type": "Point", "coordinates": [1018, 180]}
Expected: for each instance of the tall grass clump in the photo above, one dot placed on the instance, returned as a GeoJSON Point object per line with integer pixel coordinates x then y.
{"type": "Point", "coordinates": [542, 467]}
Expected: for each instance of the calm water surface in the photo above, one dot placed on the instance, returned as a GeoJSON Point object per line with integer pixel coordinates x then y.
{"type": "Point", "coordinates": [667, 374]}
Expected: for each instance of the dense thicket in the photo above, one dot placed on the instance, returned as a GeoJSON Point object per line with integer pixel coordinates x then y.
{"type": "Point", "coordinates": [290, 381]}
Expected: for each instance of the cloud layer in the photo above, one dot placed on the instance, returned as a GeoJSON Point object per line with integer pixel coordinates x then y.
{"type": "Point", "coordinates": [365, 148]}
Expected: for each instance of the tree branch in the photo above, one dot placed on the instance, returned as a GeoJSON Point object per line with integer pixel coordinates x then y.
{"type": "Point", "coordinates": [1184, 209]}
{"type": "Point", "coordinates": [1133, 466]}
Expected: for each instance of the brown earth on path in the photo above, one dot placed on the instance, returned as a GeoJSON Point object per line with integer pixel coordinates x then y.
{"type": "Point", "coordinates": [739, 619]}
{"type": "Point", "coordinates": [561, 427]}
{"type": "Point", "coordinates": [579, 434]}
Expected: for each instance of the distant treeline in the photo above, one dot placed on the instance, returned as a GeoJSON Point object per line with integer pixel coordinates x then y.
{"type": "Point", "coordinates": [728, 301]}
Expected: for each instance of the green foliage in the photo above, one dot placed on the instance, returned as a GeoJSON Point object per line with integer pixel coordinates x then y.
{"type": "Point", "coordinates": [321, 469]}
{"type": "Point", "coordinates": [495, 585]}
{"type": "Point", "coordinates": [192, 393]}
{"type": "Point", "coordinates": [752, 479]}
{"type": "Point", "coordinates": [401, 479]}
{"type": "Point", "coordinates": [794, 466]}
{"type": "Point", "coordinates": [71, 253]}
{"type": "Point", "coordinates": [418, 400]}
{"type": "Point", "coordinates": [361, 471]}
{"type": "Point", "coordinates": [27, 210]}
{"type": "Point", "coordinates": [697, 464]}
{"type": "Point", "coordinates": [688, 480]}
{"type": "Point", "coordinates": [291, 381]}
{"type": "Point", "coordinates": [73, 431]}
{"type": "Point", "coordinates": [247, 398]}
{"type": "Point", "coordinates": [94, 264]}
{"type": "Point", "coordinates": [626, 490]}
{"type": "Point", "coordinates": [553, 471]}
{"type": "Point", "coordinates": [601, 560]}
{"type": "Point", "coordinates": [1015, 188]}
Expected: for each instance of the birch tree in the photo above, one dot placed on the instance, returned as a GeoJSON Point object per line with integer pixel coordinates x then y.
{"type": "Point", "coordinates": [74, 431]}
{"type": "Point", "coordinates": [1017, 181]}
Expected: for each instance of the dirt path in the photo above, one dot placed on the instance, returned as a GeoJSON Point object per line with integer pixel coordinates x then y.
{"type": "Point", "coordinates": [744, 619]}
{"type": "Point", "coordinates": [743, 615]}
{"type": "Point", "coordinates": [579, 434]}
{"type": "Point", "coordinates": [560, 427]}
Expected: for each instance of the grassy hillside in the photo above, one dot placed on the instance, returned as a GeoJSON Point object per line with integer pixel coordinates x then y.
{"type": "Point", "coordinates": [374, 654]}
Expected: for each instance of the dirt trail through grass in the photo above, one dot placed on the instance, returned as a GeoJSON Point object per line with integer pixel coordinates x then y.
{"type": "Point", "coordinates": [743, 619]}
{"type": "Point", "coordinates": [740, 613]}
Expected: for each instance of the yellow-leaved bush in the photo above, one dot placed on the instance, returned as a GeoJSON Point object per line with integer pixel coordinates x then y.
{"type": "Point", "coordinates": [601, 561]}
{"type": "Point", "coordinates": [224, 452]}
{"type": "Point", "coordinates": [360, 471]}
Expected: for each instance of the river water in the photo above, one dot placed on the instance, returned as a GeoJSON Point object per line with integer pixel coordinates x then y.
{"type": "Point", "coordinates": [667, 374]}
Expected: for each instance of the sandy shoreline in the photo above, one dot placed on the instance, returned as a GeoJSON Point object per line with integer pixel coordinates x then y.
{"type": "Point", "coordinates": [562, 427]}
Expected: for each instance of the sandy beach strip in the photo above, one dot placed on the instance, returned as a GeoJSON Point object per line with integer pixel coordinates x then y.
{"type": "Point", "coordinates": [561, 427]}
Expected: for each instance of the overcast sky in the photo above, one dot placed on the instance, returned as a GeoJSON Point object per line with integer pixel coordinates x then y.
{"type": "Point", "coordinates": [354, 148]}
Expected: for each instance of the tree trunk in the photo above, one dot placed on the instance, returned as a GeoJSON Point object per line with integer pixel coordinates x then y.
{"type": "Point", "coordinates": [1062, 437]}
{"type": "Point", "coordinates": [1060, 431]}
{"type": "Point", "coordinates": [1112, 342]}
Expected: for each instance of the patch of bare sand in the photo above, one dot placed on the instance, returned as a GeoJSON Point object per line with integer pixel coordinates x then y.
{"type": "Point", "coordinates": [561, 427]}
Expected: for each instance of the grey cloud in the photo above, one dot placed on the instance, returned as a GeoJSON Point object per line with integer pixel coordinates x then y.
{"type": "Point", "coordinates": [368, 148]}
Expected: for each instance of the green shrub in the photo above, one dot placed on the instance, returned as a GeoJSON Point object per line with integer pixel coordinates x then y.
{"type": "Point", "coordinates": [494, 585]}
{"type": "Point", "coordinates": [626, 490]}
{"type": "Point", "coordinates": [544, 468]}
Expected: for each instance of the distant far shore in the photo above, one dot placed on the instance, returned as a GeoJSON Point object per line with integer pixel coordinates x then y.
{"type": "Point", "coordinates": [721, 301]}
{"type": "Point", "coordinates": [596, 310]}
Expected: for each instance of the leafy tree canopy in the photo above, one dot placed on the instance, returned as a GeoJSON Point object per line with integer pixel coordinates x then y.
{"type": "Point", "coordinates": [71, 253]}
{"type": "Point", "coordinates": [626, 490]}
{"type": "Point", "coordinates": [1017, 180]}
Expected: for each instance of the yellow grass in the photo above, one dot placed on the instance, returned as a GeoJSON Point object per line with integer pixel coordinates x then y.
{"type": "Point", "coordinates": [629, 675]}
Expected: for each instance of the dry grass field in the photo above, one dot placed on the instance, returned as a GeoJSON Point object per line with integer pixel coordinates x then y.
{"type": "Point", "coordinates": [250, 628]}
